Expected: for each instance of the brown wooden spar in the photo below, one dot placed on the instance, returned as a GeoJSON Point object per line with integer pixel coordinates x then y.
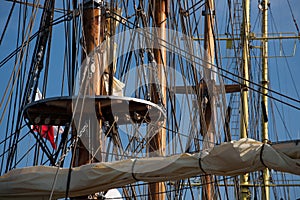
{"type": "Point", "coordinates": [207, 129]}
{"type": "Point", "coordinates": [193, 89]}
{"type": "Point", "coordinates": [158, 143]}
{"type": "Point", "coordinates": [93, 29]}
{"type": "Point", "coordinates": [93, 36]}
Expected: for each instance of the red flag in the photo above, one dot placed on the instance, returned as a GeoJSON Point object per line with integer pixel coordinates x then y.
{"type": "Point", "coordinates": [46, 132]}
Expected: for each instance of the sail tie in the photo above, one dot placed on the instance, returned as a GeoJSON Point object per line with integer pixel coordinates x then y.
{"type": "Point", "coordinates": [200, 165]}
{"type": "Point", "coordinates": [261, 155]}
{"type": "Point", "coordinates": [132, 171]}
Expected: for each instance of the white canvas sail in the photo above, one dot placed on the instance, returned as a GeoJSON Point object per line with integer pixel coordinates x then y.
{"type": "Point", "coordinates": [227, 159]}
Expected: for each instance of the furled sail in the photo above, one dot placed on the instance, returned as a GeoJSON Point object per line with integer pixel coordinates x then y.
{"type": "Point", "coordinates": [227, 159]}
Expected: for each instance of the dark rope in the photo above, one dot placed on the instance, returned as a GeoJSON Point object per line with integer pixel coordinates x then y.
{"type": "Point", "coordinates": [132, 171]}
{"type": "Point", "coordinates": [200, 165]}
{"type": "Point", "coordinates": [261, 155]}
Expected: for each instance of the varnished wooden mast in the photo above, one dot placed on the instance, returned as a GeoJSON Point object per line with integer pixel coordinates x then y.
{"type": "Point", "coordinates": [93, 30]}
{"type": "Point", "coordinates": [93, 36]}
{"type": "Point", "coordinates": [208, 134]}
{"type": "Point", "coordinates": [158, 143]}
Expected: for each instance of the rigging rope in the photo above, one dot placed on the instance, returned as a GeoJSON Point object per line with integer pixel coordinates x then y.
{"type": "Point", "coordinates": [294, 19]}
{"type": "Point", "coordinates": [234, 75]}
{"type": "Point", "coordinates": [7, 21]}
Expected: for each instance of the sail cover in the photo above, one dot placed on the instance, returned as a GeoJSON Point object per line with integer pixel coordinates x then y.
{"type": "Point", "coordinates": [227, 159]}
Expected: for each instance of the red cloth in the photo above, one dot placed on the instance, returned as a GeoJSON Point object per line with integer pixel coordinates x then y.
{"type": "Point", "coordinates": [46, 132]}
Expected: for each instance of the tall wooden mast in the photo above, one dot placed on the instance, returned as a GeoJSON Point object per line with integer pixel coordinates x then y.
{"type": "Point", "coordinates": [93, 29]}
{"type": "Point", "coordinates": [209, 47]}
{"type": "Point", "coordinates": [158, 143]}
{"type": "Point", "coordinates": [264, 98]}
{"type": "Point", "coordinates": [244, 110]}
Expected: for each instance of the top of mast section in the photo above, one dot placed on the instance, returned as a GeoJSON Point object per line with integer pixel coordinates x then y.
{"type": "Point", "coordinates": [98, 87]}
{"type": "Point", "coordinates": [93, 3]}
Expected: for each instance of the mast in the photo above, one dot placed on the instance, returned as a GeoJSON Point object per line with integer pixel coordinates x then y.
{"type": "Point", "coordinates": [264, 98]}
{"type": "Point", "coordinates": [209, 47]}
{"type": "Point", "coordinates": [93, 36]}
{"type": "Point", "coordinates": [158, 143]}
{"type": "Point", "coordinates": [93, 29]}
{"type": "Point", "coordinates": [244, 116]}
